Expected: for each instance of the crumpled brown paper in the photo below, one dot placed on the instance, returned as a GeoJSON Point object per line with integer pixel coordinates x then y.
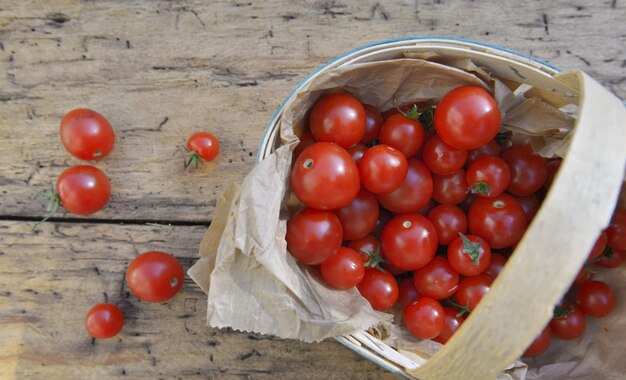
{"type": "Point", "coordinates": [254, 284]}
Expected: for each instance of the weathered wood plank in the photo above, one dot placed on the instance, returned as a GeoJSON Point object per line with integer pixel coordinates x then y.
{"type": "Point", "coordinates": [50, 279]}
{"type": "Point", "coordinates": [163, 70]}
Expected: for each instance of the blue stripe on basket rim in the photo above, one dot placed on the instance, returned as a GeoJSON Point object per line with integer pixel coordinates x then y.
{"type": "Point", "coordinates": [442, 38]}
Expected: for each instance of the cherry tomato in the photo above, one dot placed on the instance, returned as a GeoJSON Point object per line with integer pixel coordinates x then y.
{"type": "Point", "coordinates": [344, 269]}
{"type": "Point", "coordinates": [155, 276]}
{"type": "Point", "coordinates": [584, 275]}
{"type": "Point", "coordinates": [424, 318]}
{"type": "Point", "coordinates": [616, 234]}
{"type": "Point", "coordinates": [540, 344]}
{"type": "Point", "coordinates": [530, 205]}
{"type": "Point", "coordinates": [384, 216]}
{"type": "Point", "coordinates": [359, 217]}
{"type": "Point", "coordinates": [528, 170]}
{"type": "Point", "coordinates": [472, 289]}
{"type": "Point", "coordinates": [383, 169]}
{"type": "Point", "coordinates": [469, 255]}
{"type": "Point", "coordinates": [338, 118]}
{"type": "Point", "coordinates": [409, 241]}
{"type": "Point", "coordinates": [306, 140]}
{"type": "Point", "coordinates": [437, 280]}
{"type": "Point", "coordinates": [611, 259]}
{"type": "Point", "coordinates": [467, 117]}
{"type": "Point", "coordinates": [452, 323]}
{"type": "Point", "coordinates": [413, 194]}
{"type": "Point", "coordinates": [202, 146]}
{"type": "Point", "coordinates": [500, 220]}
{"type": "Point", "coordinates": [490, 149]}
{"type": "Point", "coordinates": [553, 167]}
{"type": "Point", "coordinates": [404, 108]}
{"type": "Point", "coordinates": [568, 323]}
{"type": "Point", "coordinates": [449, 221]}
{"type": "Point", "coordinates": [450, 189]}
{"type": "Point", "coordinates": [442, 158]}
{"type": "Point", "coordinates": [82, 190]}
{"type": "Point", "coordinates": [488, 176]}
{"type": "Point", "coordinates": [104, 320]}
{"type": "Point", "coordinates": [394, 270]}
{"type": "Point", "coordinates": [595, 298]}
{"type": "Point", "coordinates": [402, 133]}
{"type": "Point", "coordinates": [496, 264]}
{"type": "Point", "coordinates": [325, 177]}
{"type": "Point", "coordinates": [356, 152]}
{"type": "Point", "coordinates": [379, 288]}
{"type": "Point", "coordinates": [366, 246]}
{"type": "Point", "coordinates": [467, 202]}
{"type": "Point", "coordinates": [599, 246]}
{"type": "Point", "coordinates": [86, 134]}
{"type": "Point", "coordinates": [313, 235]}
{"type": "Point", "coordinates": [618, 215]}
{"type": "Point", "coordinates": [407, 293]}
{"type": "Point", "coordinates": [373, 122]}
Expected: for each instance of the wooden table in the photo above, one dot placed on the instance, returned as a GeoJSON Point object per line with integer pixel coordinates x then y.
{"type": "Point", "coordinates": [159, 71]}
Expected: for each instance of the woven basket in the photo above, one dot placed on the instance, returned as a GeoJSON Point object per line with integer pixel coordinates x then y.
{"type": "Point", "coordinates": [521, 299]}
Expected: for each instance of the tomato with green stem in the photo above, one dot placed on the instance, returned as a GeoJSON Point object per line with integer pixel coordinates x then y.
{"type": "Point", "coordinates": [201, 146]}
{"type": "Point", "coordinates": [568, 322]}
{"type": "Point", "coordinates": [488, 176]}
{"type": "Point", "coordinates": [86, 134]}
{"type": "Point", "coordinates": [402, 133]}
{"type": "Point", "coordinates": [155, 276]}
{"type": "Point", "coordinates": [313, 235]}
{"type": "Point", "coordinates": [344, 269]}
{"type": "Point", "coordinates": [104, 320]}
{"type": "Point", "coordinates": [469, 255]}
{"type": "Point", "coordinates": [424, 318]}
{"type": "Point", "coordinates": [338, 118]}
{"type": "Point", "coordinates": [611, 258]}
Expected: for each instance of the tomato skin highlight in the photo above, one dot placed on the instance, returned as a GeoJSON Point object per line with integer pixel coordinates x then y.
{"type": "Point", "coordinates": [424, 318]}
{"type": "Point", "coordinates": [490, 170]}
{"type": "Point", "coordinates": [325, 177]}
{"type": "Point", "coordinates": [155, 276]}
{"type": "Point", "coordinates": [442, 158]}
{"type": "Point", "coordinates": [359, 217]}
{"type": "Point", "coordinates": [571, 326]}
{"type": "Point", "coordinates": [461, 261]}
{"type": "Point", "coordinates": [472, 289]}
{"type": "Point", "coordinates": [413, 194]}
{"type": "Point", "coordinates": [83, 189]}
{"type": "Point", "coordinates": [595, 298]}
{"type": "Point", "coordinates": [402, 133]}
{"type": "Point", "coordinates": [379, 288]}
{"type": "Point", "coordinates": [86, 134]}
{"type": "Point", "coordinates": [529, 170]}
{"type": "Point", "coordinates": [450, 189]}
{"type": "Point", "coordinates": [449, 221]}
{"type": "Point", "coordinates": [382, 169]}
{"type": "Point", "coordinates": [313, 235]}
{"type": "Point", "coordinates": [104, 321]}
{"type": "Point", "coordinates": [344, 269]}
{"type": "Point", "coordinates": [500, 220]}
{"type": "Point", "coordinates": [467, 117]}
{"type": "Point", "coordinates": [205, 144]}
{"type": "Point", "coordinates": [409, 241]}
{"type": "Point", "coordinates": [339, 118]}
{"type": "Point", "coordinates": [437, 279]}
{"type": "Point", "coordinates": [451, 324]}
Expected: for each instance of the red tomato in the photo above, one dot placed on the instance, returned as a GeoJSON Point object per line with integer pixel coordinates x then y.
{"type": "Point", "coordinates": [313, 235]}
{"type": "Point", "coordinates": [409, 241]}
{"type": "Point", "coordinates": [424, 318]}
{"type": "Point", "coordinates": [452, 323]}
{"type": "Point", "coordinates": [407, 293]}
{"type": "Point", "coordinates": [202, 146]}
{"type": "Point", "coordinates": [568, 322]}
{"type": "Point", "coordinates": [595, 298]}
{"type": "Point", "coordinates": [450, 189]}
{"type": "Point", "coordinates": [359, 217]}
{"type": "Point", "coordinates": [437, 280]}
{"type": "Point", "coordinates": [618, 215]}
{"type": "Point", "coordinates": [338, 118]}
{"type": "Point", "coordinates": [540, 344]}
{"type": "Point", "coordinates": [356, 152]}
{"type": "Point", "coordinates": [384, 216]}
{"type": "Point", "coordinates": [402, 133]}
{"type": "Point", "coordinates": [496, 264]}
{"type": "Point", "coordinates": [383, 169]}
{"type": "Point", "coordinates": [469, 255]}
{"type": "Point", "coordinates": [530, 205]}
{"type": "Point", "coordinates": [528, 170]}
{"type": "Point", "coordinates": [373, 122]}
{"type": "Point", "coordinates": [490, 149]}
{"type": "Point", "coordinates": [449, 221]}
{"type": "Point", "coordinates": [325, 177]}
{"type": "Point", "coordinates": [500, 220]}
{"type": "Point", "coordinates": [472, 289]}
{"type": "Point", "coordinates": [413, 194]}
{"type": "Point", "coordinates": [306, 140]}
{"type": "Point", "coordinates": [429, 206]}
{"type": "Point", "coordinates": [104, 320]}
{"type": "Point", "coordinates": [467, 117]}
{"type": "Point", "coordinates": [553, 167]}
{"type": "Point", "coordinates": [488, 176]}
{"type": "Point", "coordinates": [86, 134]}
{"type": "Point", "coordinates": [611, 259]}
{"type": "Point", "coordinates": [404, 108]}
{"type": "Point", "coordinates": [584, 275]}
{"type": "Point", "coordinates": [467, 202]}
{"type": "Point", "coordinates": [379, 288]}
{"type": "Point", "coordinates": [155, 276]}
{"type": "Point", "coordinates": [599, 246]}
{"type": "Point", "coordinates": [82, 190]}
{"type": "Point", "coordinates": [442, 158]}
{"type": "Point", "coordinates": [366, 246]}
{"type": "Point", "coordinates": [344, 269]}
{"type": "Point", "coordinates": [616, 234]}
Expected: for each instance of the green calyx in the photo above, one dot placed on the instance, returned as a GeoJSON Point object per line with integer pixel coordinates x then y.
{"type": "Point", "coordinates": [53, 204]}
{"type": "Point", "coordinates": [562, 312]}
{"type": "Point", "coordinates": [194, 158]}
{"type": "Point", "coordinates": [375, 259]}
{"type": "Point", "coordinates": [462, 310]}
{"type": "Point", "coordinates": [472, 249]}
{"type": "Point", "coordinates": [480, 188]}
{"type": "Point", "coordinates": [424, 117]}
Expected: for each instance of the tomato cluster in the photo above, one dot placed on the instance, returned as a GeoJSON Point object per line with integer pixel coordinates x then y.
{"type": "Point", "coordinates": [419, 207]}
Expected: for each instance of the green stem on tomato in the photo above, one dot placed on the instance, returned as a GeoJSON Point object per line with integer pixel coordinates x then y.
{"type": "Point", "coordinates": [194, 158]}
{"type": "Point", "coordinates": [472, 249]}
{"type": "Point", "coordinates": [53, 205]}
